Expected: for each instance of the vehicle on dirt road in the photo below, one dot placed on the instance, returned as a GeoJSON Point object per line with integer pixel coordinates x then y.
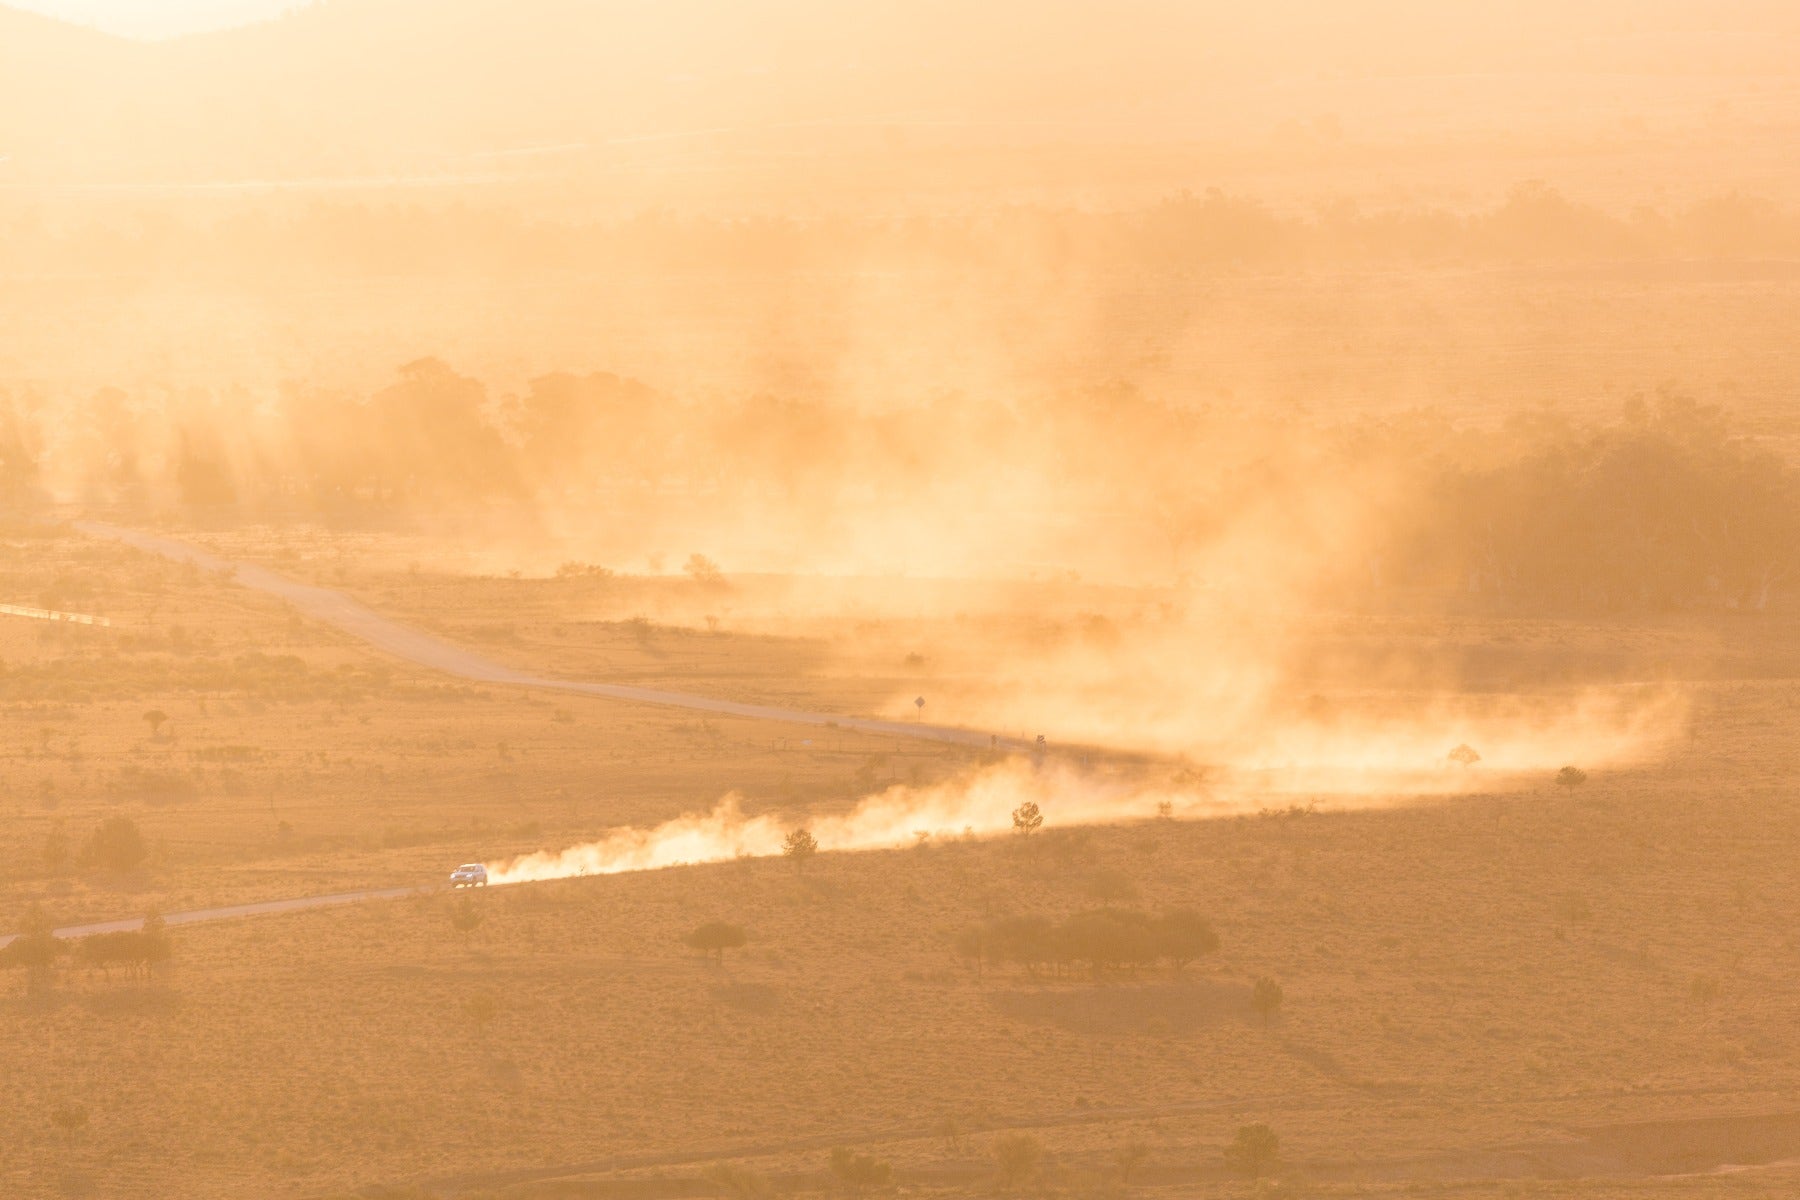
{"type": "Point", "coordinates": [469, 875]}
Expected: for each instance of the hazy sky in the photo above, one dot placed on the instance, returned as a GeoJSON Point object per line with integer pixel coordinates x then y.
{"type": "Point", "coordinates": [157, 18]}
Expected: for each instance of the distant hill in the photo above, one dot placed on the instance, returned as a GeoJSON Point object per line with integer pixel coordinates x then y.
{"type": "Point", "coordinates": [370, 87]}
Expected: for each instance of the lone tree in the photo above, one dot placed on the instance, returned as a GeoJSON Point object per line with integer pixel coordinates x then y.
{"type": "Point", "coordinates": [70, 1118]}
{"type": "Point", "coordinates": [799, 846]}
{"type": "Point", "coordinates": [156, 718]}
{"type": "Point", "coordinates": [1255, 1152]}
{"type": "Point", "coordinates": [1265, 998]}
{"type": "Point", "coordinates": [116, 845]}
{"type": "Point", "coordinates": [153, 940]}
{"type": "Point", "coordinates": [1128, 1160]}
{"type": "Point", "coordinates": [1571, 777]}
{"type": "Point", "coordinates": [481, 1009]}
{"type": "Point", "coordinates": [1184, 935]}
{"type": "Point", "coordinates": [975, 944]}
{"type": "Point", "coordinates": [1464, 755]}
{"type": "Point", "coordinates": [715, 938]}
{"type": "Point", "coordinates": [859, 1172]}
{"type": "Point", "coordinates": [703, 571]}
{"type": "Point", "coordinates": [1027, 819]}
{"type": "Point", "coordinates": [1016, 1158]}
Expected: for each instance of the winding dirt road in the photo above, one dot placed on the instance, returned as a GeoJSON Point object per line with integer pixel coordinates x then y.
{"type": "Point", "coordinates": [341, 612]}
{"type": "Point", "coordinates": [235, 910]}
{"type": "Point", "coordinates": [355, 619]}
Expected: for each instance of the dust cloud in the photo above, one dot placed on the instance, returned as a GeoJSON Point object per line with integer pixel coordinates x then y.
{"type": "Point", "coordinates": [980, 805]}
{"type": "Point", "coordinates": [1339, 770]}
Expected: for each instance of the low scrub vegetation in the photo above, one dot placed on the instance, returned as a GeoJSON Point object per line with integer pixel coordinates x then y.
{"type": "Point", "coordinates": [38, 952]}
{"type": "Point", "coordinates": [1099, 942]}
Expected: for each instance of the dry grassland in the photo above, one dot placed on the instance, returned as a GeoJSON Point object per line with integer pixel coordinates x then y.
{"type": "Point", "coordinates": [1496, 972]}
{"type": "Point", "coordinates": [294, 761]}
{"type": "Point", "coordinates": [1472, 986]}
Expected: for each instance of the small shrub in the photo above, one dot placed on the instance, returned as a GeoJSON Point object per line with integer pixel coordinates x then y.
{"type": "Point", "coordinates": [1573, 909]}
{"type": "Point", "coordinates": [481, 1009]}
{"type": "Point", "coordinates": [737, 1183]}
{"type": "Point", "coordinates": [465, 918]}
{"type": "Point", "coordinates": [1016, 1159]}
{"type": "Point", "coordinates": [1128, 1160]}
{"type": "Point", "coordinates": [1255, 1151]}
{"type": "Point", "coordinates": [70, 1118]}
{"type": "Point", "coordinates": [857, 1173]}
{"type": "Point", "coordinates": [581, 570]}
{"type": "Point", "coordinates": [1265, 998]}
{"type": "Point", "coordinates": [1571, 777]}
{"type": "Point", "coordinates": [116, 845]}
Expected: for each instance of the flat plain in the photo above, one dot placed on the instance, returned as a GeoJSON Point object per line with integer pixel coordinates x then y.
{"type": "Point", "coordinates": [1483, 992]}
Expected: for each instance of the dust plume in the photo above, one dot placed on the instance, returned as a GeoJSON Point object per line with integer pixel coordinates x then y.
{"type": "Point", "coordinates": [1368, 768]}
{"type": "Point", "coordinates": [978, 805]}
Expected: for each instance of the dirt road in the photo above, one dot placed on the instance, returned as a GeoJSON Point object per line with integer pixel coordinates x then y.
{"type": "Point", "coordinates": [355, 619]}
{"type": "Point", "coordinates": [262, 908]}
{"type": "Point", "coordinates": [343, 613]}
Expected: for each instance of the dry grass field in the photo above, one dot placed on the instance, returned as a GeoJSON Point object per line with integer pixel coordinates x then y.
{"type": "Point", "coordinates": [1508, 986]}
{"type": "Point", "coordinates": [1137, 601]}
{"type": "Point", "coordinates": [293, 761]}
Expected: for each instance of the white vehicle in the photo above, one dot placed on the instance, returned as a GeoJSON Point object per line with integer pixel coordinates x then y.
{"type": "Point", "coordinates": [469, 875]}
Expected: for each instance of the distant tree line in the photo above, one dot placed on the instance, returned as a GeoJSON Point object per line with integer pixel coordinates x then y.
{"type": "Point", "coordinates": [1209, 229]}
{"type": "Point", "coordinates": [1665, 509]}
{"type": "Point", "coordinates": [1667, 506]}
{"type": "Point", "coordinates": [37, 951]}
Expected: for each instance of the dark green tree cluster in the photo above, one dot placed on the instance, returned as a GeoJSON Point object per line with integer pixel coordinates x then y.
{"type": "Point", "coordinates": [35, 950]}
{"type": "Point", "coordinates": [1665, 509]}
{"type": "Point", "coordinates": [116, 846]}
{"type": "Point", "coordinates": [138, 952]}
